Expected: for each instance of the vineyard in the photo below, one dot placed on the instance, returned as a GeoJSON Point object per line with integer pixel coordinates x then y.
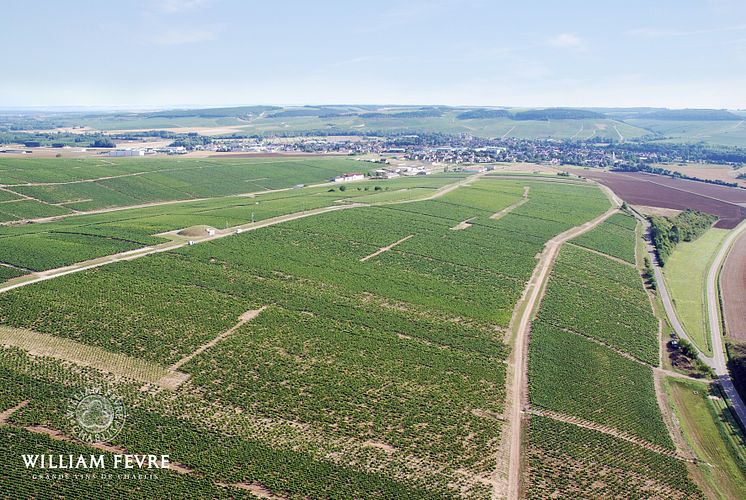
{"type": "Point", "coordinates": [592, 348]}
{"type": "Point", "coordinates": [83, 184]}
{"type": "Point", "coordinates": [39, 247]}
{"type": "Point", "coordinates": [578, 300]}
{"type": "Point", "coordinates": [309, 398]}
{"type": "Point", "coordinates": [565, 460]}
{"type": "Point", "coordinates": [212, 463]}
{"type": "Point", "coordinates": [615, 237]}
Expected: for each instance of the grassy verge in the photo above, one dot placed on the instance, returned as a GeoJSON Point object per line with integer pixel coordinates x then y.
{"type": "Point", "coordinates": [685, 274]}
{"type": "Point", "coordinates": [709, 433]}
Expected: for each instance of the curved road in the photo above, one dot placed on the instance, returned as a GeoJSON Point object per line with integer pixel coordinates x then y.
{"type": "Point", "coordinates": [717, 361]}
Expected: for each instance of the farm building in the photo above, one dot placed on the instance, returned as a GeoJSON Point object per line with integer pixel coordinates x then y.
{"type": "Point", "coordinates": [385, 174]}
{"type": "Point", "coordinates": [127, 152]}
{"type": "Point", "coordinates": [349, 177]}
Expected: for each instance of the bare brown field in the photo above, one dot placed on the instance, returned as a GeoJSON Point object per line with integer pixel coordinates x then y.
{"type": "Point", "coordinates": [723, 193]}
{"type": "Point", "coordinates": [658, 191]}
{"type": "Point", "coordinates": [708, 171]}
{"type": "Point", "coordinates": [733, 287]}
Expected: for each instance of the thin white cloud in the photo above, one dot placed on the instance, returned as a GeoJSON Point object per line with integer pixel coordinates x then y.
{"type": "Point", "coordinates": [175, 6]}
{"type": "Point", "coordinates": [566, 40]}
{"type": "Point", "coordinates": [181, 37]}
{"type": "Point", "coordinates": [668, 33]}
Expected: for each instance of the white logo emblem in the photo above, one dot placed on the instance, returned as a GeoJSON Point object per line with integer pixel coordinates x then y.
{"type": "Point", "coordinates": [97, 414]}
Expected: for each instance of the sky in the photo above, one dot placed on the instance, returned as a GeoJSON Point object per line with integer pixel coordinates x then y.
{"type": "Point", "coordinates": [140, 54]}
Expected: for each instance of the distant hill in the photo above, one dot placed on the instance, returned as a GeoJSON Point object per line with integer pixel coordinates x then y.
{"type": "Point", "coordinates": [483, 114]}
{"type": "Point", "coordinates": [690, 115]}
{"type": "Point", "coordinates": [557, 114]}
{"type": "Point", "coordinates": [212, 112]}
{"type": "Point", "coordinates": [307, 111]}
{"type": "Point", "coordinates": [420, 113]}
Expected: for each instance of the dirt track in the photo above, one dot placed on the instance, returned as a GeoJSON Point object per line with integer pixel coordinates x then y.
{"type": "Point", "coordinates": [385, 249]}
{"type": "Point", "coordinates": [517, 384]}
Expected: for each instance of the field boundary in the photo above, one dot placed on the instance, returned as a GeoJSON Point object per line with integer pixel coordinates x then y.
{"type": "Point", "coordinates": [385, 249]}
{"type": "Point", "coordinates": [611, 431]}
{"type": "Point", "coordinates": [78, 353]}
{"type": "Point", "coordinates": [174, 378]}
{"type": "Point", "coordinates": [505, 211]}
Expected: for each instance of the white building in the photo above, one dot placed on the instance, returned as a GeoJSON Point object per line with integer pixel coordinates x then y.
{"type": "Point", "coordinates": [349, 177]}
{"type": "Point", "coordinates": [127, 152]}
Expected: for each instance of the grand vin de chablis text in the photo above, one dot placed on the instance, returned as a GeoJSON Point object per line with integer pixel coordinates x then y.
{"type": "Point", "coordinates": [96, 461]}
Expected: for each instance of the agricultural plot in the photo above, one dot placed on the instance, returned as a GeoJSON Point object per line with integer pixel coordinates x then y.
{"type": "Point", "coordinates": [312, 387]}
{"type": "Point", "coordinates": [40, 252]}
{"type": "Point", "coordinates": [577, 377]}
{"type": "Point", "coordinates": [210, 462]}
{"type": "Point", "coordinates": [7, 273]}
{"type": "Point", "coordinates": [659, 191]}
{"type": "Point", "coordinates": [615, 237]}
{"type": "Point", "coordinates": [107, 233]}
{"type": "Point", "coordinates": [733, 286]}
{"type": "Point", "coordinates": [590, 343]}
{"type": "Point", "coordinates": [579, 299]}
{"type": "Point", "coordinates": [565, 460]}
{"type": "Point", "coordinates": [29, 209]}
{"type": "Point", "coordinates": [17, 483]}
{"type": "Point", "coordinates": [93, 184]}
{"type": "Point", "coordinates": [6, 195]}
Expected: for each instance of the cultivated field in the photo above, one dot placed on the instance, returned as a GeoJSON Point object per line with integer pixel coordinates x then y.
{"type": "Point", "coordinates": [79, 237]}
{"type": "Point", "coordinates": [659, 191]}
{"type": "Point", "coordinates": [373, 364]}
{"type": "Point", "coordinates": [64, 186]}
{"type": "Point", "coordinates": [348, 343]}
{"type": "Point", "coordinates": [733, 289]}
{"type": "Point", "coordinates": [596, 428]}
{"type": "Point", "coordinates": [725, 173]}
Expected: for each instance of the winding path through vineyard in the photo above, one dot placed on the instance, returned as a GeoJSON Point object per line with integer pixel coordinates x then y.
{"type": "Point", "coordinates": [518, 368]}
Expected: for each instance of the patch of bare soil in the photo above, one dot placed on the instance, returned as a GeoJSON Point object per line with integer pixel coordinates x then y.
{"type": "Point", "coordinates": [463, 225]}
{"type": "Point", "coordinates": [733, 287]}
{"type": "Point", "coordinates": [385, 249]}
{"type": "Point", "coordinates": [666, 212]}
{"type": "Point", "coordinates": [196, 231]}
{"type": "Point", "coordinates": [380, 445]}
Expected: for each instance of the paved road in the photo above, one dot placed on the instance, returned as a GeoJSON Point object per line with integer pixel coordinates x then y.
{"type": "Point", "coordinates": [717, 361]}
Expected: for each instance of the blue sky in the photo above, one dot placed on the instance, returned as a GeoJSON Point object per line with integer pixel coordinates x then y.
{"type": "Point", "coordinates": [160, 53]}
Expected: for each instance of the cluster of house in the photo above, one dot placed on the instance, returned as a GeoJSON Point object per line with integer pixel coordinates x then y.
{"type": "Point", "coordinates": [170, 150]}
{"type": "Point", "coordinates": [349, 177]}
{"type": "Point", "coordinates": [392, 172]}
